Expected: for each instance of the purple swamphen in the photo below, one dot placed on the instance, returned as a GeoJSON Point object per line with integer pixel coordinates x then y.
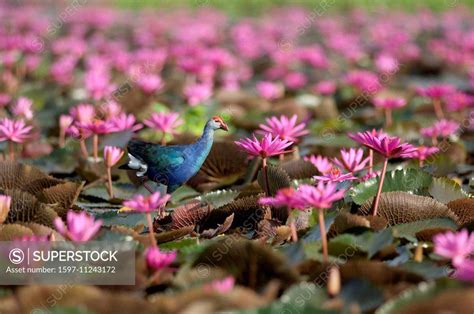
{"type": "Point", "coordinates": [175, 164]}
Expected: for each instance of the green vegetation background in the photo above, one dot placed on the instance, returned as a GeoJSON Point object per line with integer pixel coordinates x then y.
{"type": "Point", "coordinates": [253, 7]}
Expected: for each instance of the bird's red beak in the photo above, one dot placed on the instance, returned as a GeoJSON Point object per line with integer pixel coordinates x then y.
{"type": "Point", "coordinates": [224, 126]}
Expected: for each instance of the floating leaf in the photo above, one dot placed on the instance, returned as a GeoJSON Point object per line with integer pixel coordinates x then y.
{"type": "Point", "coordinates": [251, 264]}
{"type": "Point", "coordinates": [409, 230]}
{"type": "Point", "coordinates": [446, 190]}
{"type": "Point", "coordinates": [398, 180]}
{"type": "Point", "coordinates": [464, 209]}
{"type": "Point", "coordinates": [277, 179]}
{"type": "Point", "coordinates": [218, 198]}
{"type": "Point", "coordinates": [403, 207]}
{"type": "Point", "coordinates": [299, 169]}
{"type": "Point", "coordinates": [223, 166]}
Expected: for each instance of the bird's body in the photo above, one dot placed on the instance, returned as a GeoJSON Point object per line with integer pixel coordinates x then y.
{"type": "Point", "coordinates": [172, 165]}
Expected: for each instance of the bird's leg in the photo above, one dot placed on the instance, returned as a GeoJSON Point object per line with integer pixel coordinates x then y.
{"type": "Point", "coordinates": [148, 188]}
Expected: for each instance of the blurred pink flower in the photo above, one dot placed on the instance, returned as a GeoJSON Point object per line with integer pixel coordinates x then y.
{"type": "Point", "coordinates": [335, 175]}
{"type": "Point", "coordinates": [363, 81]}
{"type": "Point", "coordinates": [465, 270]}
{"type": "Point", "coordinates": [97, 126]}
{"type": "Point", "coordinates": [288, 197]}
{"type": "Point", "coordinates": [284, 127]}
{"type": "Point", "coordinates": [265, 147]}
{"type": "Point", "coordinates": [458, 101]}
{"type": "Point", "coordinates": [321, 163]}
{"type": "Point", "coordinates": [80, 226]}
{"type": "Point", "coordinates": [4, 99]}
{"type": "Point", "coordinates": [436, 91]}
{"type": "Point", "coordinates": [14, 130]}
{"type": "Point", "coordinates": [157, 259]}
{"type": "Point", "coordinates": [111, 109]}
{"type": "Point", "coordinates": [97, 83]}
{"type": "Point", "coordinates": [112, 155]}
{"type": "Point", "coordinates": [221, 286]}
{"type": "Point", "coordinates": [389, 103]}
{"type": "Point", "coordinates": [295, 80]}
{"type": "Point", "coordinates": [320, 196]}
{"type": "Point", "coordinates": [325, 88]}
{"type": "Point", "coordinates": [123, 122]}
{"type": "Point", "coordinates": [150, 83]}
{"type": "Point", "coordinates": [455, 246]}
{"type": "Point", "coordinates": [166, 122]}
{"type": "Point", "coordinates": [23, 109]}
{"type": "Point", "coordinates": [197, 93]}
{"type": "Point", "coordinates": [351, 160]}
{"type": "Point", "coordinates": [83, 113]}
{"type": "Point", "coordinates": [442, 128]}
{"type": "Point", "coordinates": [385, 63]}
{"type": "Point", "coordinates": [423, 152]}
{"type": "Point", "coordinates": [269, 90]}
{"type": "Point", "coordinates": [387, 146]}
{"type": "Point", "coordinates": [65, 121]}
{"type": "Point", "coordinates": [147, 204]}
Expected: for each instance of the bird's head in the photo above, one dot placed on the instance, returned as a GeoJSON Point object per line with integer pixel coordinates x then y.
{"type": "Point", "coordinates": [216, 123]}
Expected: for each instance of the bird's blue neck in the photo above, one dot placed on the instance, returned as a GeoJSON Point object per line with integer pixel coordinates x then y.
{"type": "Point", "coordinates": [203, 146]}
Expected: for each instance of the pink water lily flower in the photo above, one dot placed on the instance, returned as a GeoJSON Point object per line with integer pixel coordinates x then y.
{"type": "Point", "coordinates": [363, 81]}
{"type": "Point", "coordinates": [385, 63]}
{"type": "Point", "coordinates": [458, 101]}
{"type": "Point", "coordinates": [80, 226]}
{"type": "Point", "coordinates": [123, 122]}
{"type": "Point", "coordinates": [389, 103]}
{"type": "Point", "coordinates": [423, 152]}
{"type": "Point", "coordinates": [325, 88]}
{"type": "Point", "coordinates": [320, 197]}
{"type": "Point", "coordinates": [110, 109]}
{"type": "Point", "coordinates": [197, 93]}
{"type": "Point", "coordinates": [352, 160]}
{"type": "Point", "coordinates": [387, 146]}
{"type": "Point", "coordinates": [323, 195]}
{"type": "Point", "coordinates": [442, 128]}
{"type": "Point", "coordinates": [335, 175]}
{"type": "Point", "coordinates": [147, 204]}
{"type": "Point", "coordinates": [320, 162]}
{"type": "Point", "coordinates": [270, 90]}
{"type": "Point", "coordinates": [150, 84]}
{"type": "Point", "coordinates": [112, 155]}
{"type": "Point", "coordinates": [14, 130]}
{"type": "Point", "coordinates": [157, 259]}
{"type": "Point", "coordinates": [284, 127]}
{"type": "Point", "coordinates": [4, 99]}
{"type": "Point", "coordinates": [165, 122]}
{"type": "Point", "coordinates": [23, 108]}
{"type": "Point", "coordinates": [436, 93]}
{"type": "Point", "coordinates": [456, 246]}
{"type": "Point", "coordinates": [465, 271]}
{"type": "Point", "coordinates": [83, 113]}
{"type": "Point", "coordinates": [287, 197]}
{"type": "Point", "coordinates": [266, 147]}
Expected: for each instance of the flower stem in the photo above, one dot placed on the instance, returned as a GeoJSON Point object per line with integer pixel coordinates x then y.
{"type": "Point", "coordinates": [95, 140]}
{"type": "Point", "coordinates": [379, 190]}
{"type": "Point", "coordinates": [438, 108]}
{"type": "Point", "coordinates": [163, 139]}
{"type": "Point", "coordinates": [11, 150]}
{"type": "Point", "coordinates": [324, 240]}
{"type": "Point", "coordinates": [150, 229]}
{"type": "Point", "coordinates": [109, 182]}
{"type": "Point", "coordinates": [421, 162]}
{"type": "Point", "coordinates": [62, 137]}
{"type": "Point", "coordinates": [371, 160]}
{"type": "Point", "coordinates": [388, 118]}
{"type": "Point", "coordinates": [291, 221]}
{"type": "Point", "coordinates": [265, 176]}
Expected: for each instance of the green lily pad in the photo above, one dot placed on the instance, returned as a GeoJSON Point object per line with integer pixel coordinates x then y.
{"type": "Point", "coordinates": [399, 180]}
{"type": "Point", "coordinates": [446, 190]}
{"type": "Point", "coordinates": [218, 198]}
{"type": "Point", "coordinates": [409, 230]}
